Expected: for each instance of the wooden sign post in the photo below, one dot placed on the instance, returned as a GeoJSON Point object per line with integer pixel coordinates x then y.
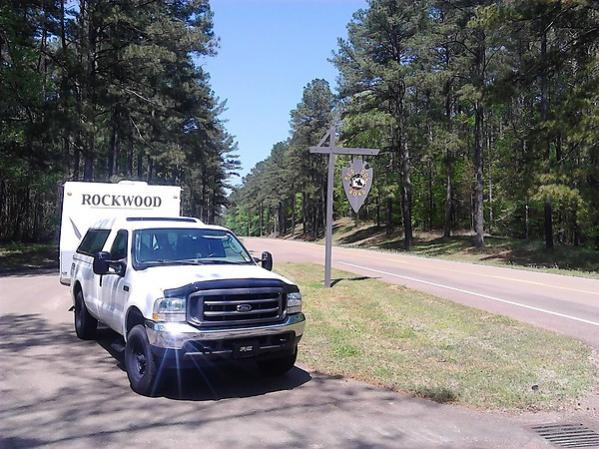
{"type": "Point", "coordinates": [332, 150]}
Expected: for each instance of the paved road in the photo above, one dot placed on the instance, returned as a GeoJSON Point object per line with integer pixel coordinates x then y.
{"type": "Point", "coordinates": [569, 305]}
{"type": "Point", "coordinates": [57, 391]}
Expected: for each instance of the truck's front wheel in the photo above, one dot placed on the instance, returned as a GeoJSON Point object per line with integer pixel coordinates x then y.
{"type": "Point", "coordinates": [85, 324]}
{"type": "Point", "coordinates": [279, 365]}
{"type": "Point", "coordinates": [139, 360]}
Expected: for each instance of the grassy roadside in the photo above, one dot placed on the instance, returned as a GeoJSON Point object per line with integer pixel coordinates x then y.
{"type": "Point", "coordinates": [429, 347]}
{"type": "Point", "coordinates": [499, 251]}
{"type": "Point", "coordinates": [25, 256]}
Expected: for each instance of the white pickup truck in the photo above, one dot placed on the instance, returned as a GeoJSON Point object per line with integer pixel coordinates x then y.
{"type": "Point", "coordinates": [180, 291]}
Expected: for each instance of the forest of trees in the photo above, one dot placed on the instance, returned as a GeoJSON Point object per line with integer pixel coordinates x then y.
{"type": "Point", "coordinates": [106, 90]}
{"type": "Point", "coordinates": [486, 112]}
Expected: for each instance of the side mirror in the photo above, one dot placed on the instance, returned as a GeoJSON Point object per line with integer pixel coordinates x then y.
{"type": "Point", "coordinates": [119, 268]}
{"type": "Point", "coordinates": [101, 260]}
{"type": "Point", "coordinates": [266, 261]}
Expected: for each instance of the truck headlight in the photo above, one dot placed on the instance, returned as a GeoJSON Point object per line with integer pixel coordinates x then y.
{"type": "Point", "coordinates": [294, 302]}
{"type": "Point", "coordinates": [169, 309]}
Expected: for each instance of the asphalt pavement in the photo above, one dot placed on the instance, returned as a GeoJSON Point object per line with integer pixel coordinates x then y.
{"type": "Point", "coordinates": [60, 392]}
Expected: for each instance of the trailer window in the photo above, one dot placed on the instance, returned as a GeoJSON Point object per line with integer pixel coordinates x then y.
{"type": "Point", "coordinates": [93, 241]}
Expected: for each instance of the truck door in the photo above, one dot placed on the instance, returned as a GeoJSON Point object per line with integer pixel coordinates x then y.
{"type": "Point", "coordinates": [115, 290]}
{"type": "Point", "coordinates": [93, 242]}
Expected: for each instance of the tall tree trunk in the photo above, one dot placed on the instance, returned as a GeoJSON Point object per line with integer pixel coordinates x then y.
{"type": "Point", "coordinates": [130, 159]}
{"type": "Point", "coordinates": [113, 145]}
{"type": "Point", "coordinates": [526, 226]}
{"type": "Point", "coordinates": [64, 93]}
{"type": "Point", "coordinates": [281, 218]}
{"type": "Point", "coordinates": [548, 206]}
{"type": "Point", "coordinates": [431, 208]}
{"type": "Point", "coordinates": [293, 218]}
{"type": "Point", "coordinates": [491, 218]}
{"type": "Point", "coordinates": [575, 228]}
{"type": "Point", "coordinates": [212, 208]}
{"type": "Point", "coordinates": [3, 201]}
{"type": "Point", "coordinates": [315, 210]}
{"type": "Point", "coordinates": [405, 169]}
{"type": "Point", "coordinates": [88, 163]}
{"type": "Point", "coordinates": [406, 195]}
{"type": "Point", "coordinates": [151, 171]}
{"type": "Point", "coordinates": [448, 198]}
{"type": "Point", "coordinates": [478, 215]}
{"type": "Point", "coordinates": [204, 200]}
{"type": "Point", "coordinates": [285, 230]}
{"type": "Point", "coordinates": [76, 163]}
{"type": "Point", "coordinates": [140, 164]}
{"type": "Point", "coordinates": [304, 213]}
{"type": "Point", "coordinates": [378, 211]}
{"type": "Point", "coordinates": [389, 225]}
{"type": "Point", "coordinates": [548, 221]}
{"type": "Point", "coordinates": [448, 160]}
{"type": "Point", "coordinates": [89, 44]}
{"type": "Point", "coordinates": [261, 218]}
{"type": "Point", "coordinates": [249, 226]}
{"type": "Point", "coordinates": [63, 35]}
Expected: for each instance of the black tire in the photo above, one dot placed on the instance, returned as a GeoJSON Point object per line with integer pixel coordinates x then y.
{"type": "Point", "coordinates": [142, 369]}
{"type": "Point", "coordinates": [85, 324]}
{"type": "Point", "coordinates": [279, 365]}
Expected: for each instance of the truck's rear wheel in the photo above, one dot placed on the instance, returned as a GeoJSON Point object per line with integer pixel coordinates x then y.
{"type": "Point", "coordinates": [85, 324]}
{"type": "Point", "coordinates": [141, 366]}
{"type": "Point", "coordinates": [279, 365]}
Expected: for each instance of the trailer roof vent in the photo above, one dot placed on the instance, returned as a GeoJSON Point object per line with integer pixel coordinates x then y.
{"type": "Point", "coordinates": [133, 183]}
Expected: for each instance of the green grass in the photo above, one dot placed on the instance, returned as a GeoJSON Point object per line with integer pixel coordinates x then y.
{"type": "Point", "coordinates": [23, 256]}
{"type": "Point", "coordinates": [577, 261]}
{"type": "Point", "coordinates": [408, 341]}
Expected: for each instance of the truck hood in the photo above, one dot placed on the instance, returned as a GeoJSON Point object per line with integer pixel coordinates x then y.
{"type": "Point", "coordinates": [169, 277]}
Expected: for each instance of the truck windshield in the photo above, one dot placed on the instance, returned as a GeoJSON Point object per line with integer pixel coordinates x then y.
{"type": "Point", "coordinates": [187, 247]}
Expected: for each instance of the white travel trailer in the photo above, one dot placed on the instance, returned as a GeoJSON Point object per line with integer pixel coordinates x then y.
{"type": "Point", "coordinates": [84, 203]}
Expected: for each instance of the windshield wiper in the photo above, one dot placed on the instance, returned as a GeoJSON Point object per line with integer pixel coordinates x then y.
{"type": "Point", "coordinates": [174, 262]}
{"type": "Point", "coordinates": [159, 262]}
{"type": "Point", "coordinates": [222, 262]}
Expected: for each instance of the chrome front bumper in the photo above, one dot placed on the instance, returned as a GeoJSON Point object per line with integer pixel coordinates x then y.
{"type": "Point", "coordinates": [176, 335]}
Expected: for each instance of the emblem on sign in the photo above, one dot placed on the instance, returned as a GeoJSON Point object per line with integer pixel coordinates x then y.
{"type": "Point", "coordinates": [357, 181]}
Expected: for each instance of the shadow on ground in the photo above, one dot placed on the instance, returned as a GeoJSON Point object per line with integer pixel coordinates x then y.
{"type": "Point", "coordinates": [204, 382]}
{"type": "Point", "coordinates": [359, 278]}
{"type": "Point", "coordinates": [461, 247]}
{"type": "Point", "coordinates": [219, 380]}
{"type": "Point", "coordinates": [60, 391]}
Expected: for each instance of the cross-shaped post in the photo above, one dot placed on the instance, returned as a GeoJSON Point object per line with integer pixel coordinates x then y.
{"type": "Point", "coordinates": [332, 150]}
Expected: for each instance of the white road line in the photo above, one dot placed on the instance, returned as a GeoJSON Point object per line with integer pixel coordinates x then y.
{"type": "Point", "coordinates": [469, 292]}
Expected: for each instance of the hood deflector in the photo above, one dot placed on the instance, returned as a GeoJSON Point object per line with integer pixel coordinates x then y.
{"type": "Point", "coordinates": [219, 284]}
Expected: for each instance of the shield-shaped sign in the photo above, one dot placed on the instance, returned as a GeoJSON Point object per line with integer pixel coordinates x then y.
{"type": "Point", "coordinates": [357, 181]}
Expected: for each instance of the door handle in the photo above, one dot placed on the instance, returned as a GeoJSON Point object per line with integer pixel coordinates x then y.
{"type": "Point", "coordinates": [126, 288]}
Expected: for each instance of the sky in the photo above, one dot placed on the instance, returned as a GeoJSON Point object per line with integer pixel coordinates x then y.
{"type": "Point", "coordinates": [269, 50]}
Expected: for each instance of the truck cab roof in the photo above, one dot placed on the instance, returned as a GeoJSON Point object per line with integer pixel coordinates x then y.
{"type": "Point", "coordinates": [136, 222]}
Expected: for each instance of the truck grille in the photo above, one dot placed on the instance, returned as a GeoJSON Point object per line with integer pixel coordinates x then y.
{"type": "Point", "coordinates": [236, 306]}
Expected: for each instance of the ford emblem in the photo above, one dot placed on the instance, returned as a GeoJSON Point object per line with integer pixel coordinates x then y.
{"type": "Point", "coordinates": [244, 307]}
